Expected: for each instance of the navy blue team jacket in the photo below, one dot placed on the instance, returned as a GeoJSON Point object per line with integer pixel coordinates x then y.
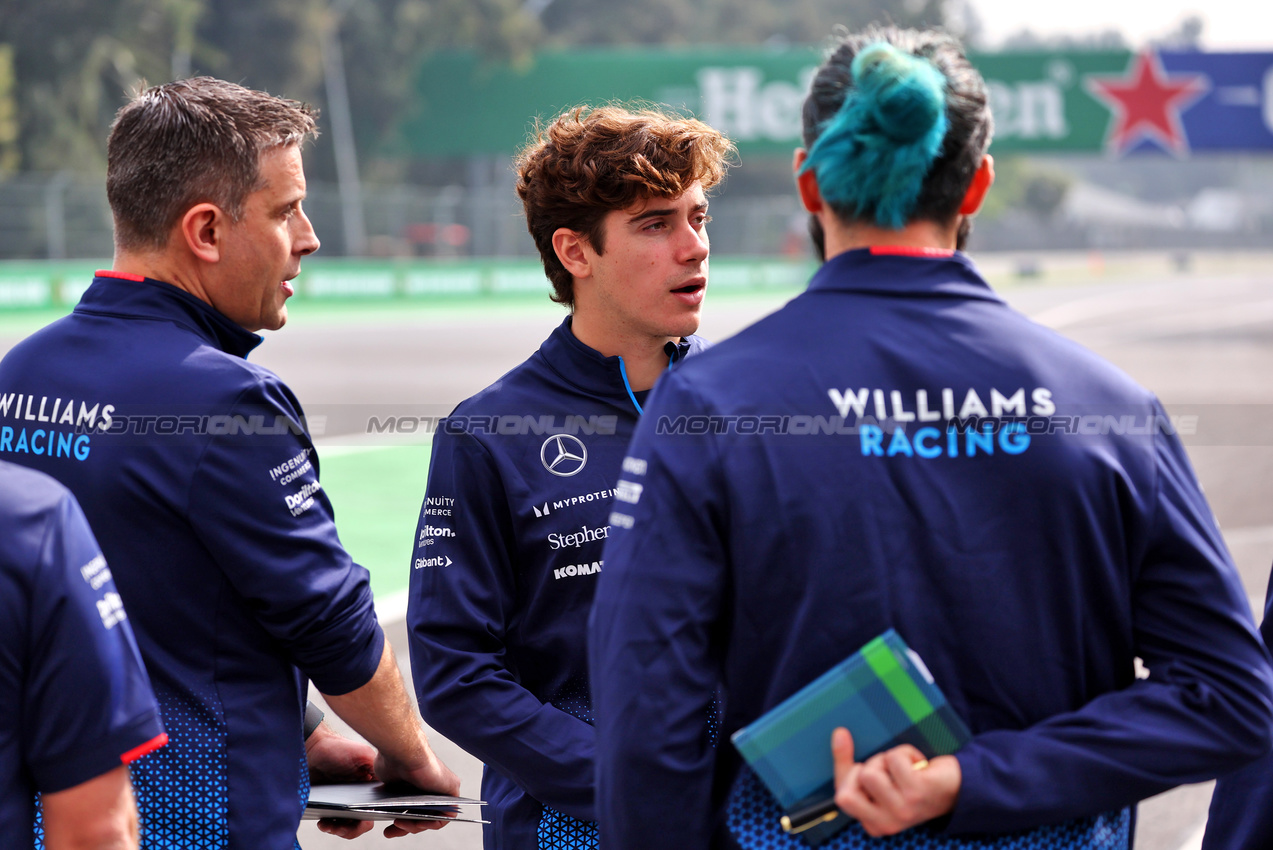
{"type": "Point", "coordinates": [1241, 816]}
{"type": "Point", "coordinates": [74, 698]}
{"type": "Point", "coordinates": [505, 562]}
{"type": "Point", "coordinates": [899, 448]}
{"type": "Point", "coordinates": [200, 482]}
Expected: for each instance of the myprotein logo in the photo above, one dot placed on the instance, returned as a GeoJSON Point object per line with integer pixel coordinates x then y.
{"type": "Point", "coordinates": [563, 455]}
{"type": "Point", "coordinates": [547, 508]}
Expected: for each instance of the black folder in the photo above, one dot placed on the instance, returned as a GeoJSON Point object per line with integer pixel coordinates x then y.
{"type": "Point", "coordinates": [381, 801]}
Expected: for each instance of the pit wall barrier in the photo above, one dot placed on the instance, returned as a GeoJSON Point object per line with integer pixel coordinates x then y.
{"type": "Point", "coordinates": [53, 284]}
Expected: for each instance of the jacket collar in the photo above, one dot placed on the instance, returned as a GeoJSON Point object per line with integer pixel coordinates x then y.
{"type": "Point", "coordinates": [134, 296]}
{"type": "Point", "coordinates": [595, 374]}
{"type": "Point", "coordinates": [903, 272]}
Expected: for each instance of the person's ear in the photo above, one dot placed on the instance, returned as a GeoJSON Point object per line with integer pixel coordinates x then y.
{"type": "Point", "coordinates": [572, 250]}
{"type": "Point", "coordinates": [981, 183]}
{"type": "Point", "coordinates": [202, 228]}
{"type": "Point", "coordinates": [806, 182]}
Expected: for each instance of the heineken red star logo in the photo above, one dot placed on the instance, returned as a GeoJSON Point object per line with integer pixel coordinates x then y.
{"type": "Point", "coordinates": [1147, 104]}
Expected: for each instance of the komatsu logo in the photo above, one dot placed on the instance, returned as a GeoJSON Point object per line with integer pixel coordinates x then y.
{"type": "Point", "coordinates": [578, 570]}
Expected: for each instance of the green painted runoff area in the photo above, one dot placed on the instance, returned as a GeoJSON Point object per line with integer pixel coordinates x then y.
{"type": "Point", "coordinates": [43, 286]}
{"type": "Point", "coordinates": [377, 493]}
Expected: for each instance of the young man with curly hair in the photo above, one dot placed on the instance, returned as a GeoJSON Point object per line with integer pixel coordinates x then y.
{"type": "Point", "coordinates": [523, 474]}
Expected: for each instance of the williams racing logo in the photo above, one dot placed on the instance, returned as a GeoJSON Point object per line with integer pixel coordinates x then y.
{"type": "Point", "coordinates": [563, 454]}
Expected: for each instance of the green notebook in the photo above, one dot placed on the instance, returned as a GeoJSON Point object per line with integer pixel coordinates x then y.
{"type": "Point", "coordinates": [882, 693]}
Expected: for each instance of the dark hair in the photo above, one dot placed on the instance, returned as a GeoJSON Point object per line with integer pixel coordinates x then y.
{"type": "Point", "coordinates": [870, 125]}
{"type": "Point", "coordinates": [190, 142]}
{"type": "Point", "coordinates": [588, 162]}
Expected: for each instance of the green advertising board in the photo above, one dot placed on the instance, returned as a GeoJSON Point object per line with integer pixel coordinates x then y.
{"type": "Point", "coordinates": [1115, 101]}
{"type": "Point", "coordinates": [467, 106]}
{"type": "Point", "coordinates": [37, 285]}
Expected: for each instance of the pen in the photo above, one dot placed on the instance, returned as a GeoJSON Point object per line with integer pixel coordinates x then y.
{"type": "Point", "coordinates": [824, 811]}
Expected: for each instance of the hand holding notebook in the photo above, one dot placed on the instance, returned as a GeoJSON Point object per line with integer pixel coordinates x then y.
{"type": "Point", "coordinates": [883, 693]}
{"type": "Point", "coordinates": [894, 789]}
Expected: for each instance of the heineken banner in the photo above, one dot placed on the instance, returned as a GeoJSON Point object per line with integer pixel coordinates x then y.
{"type": "Point", "coordinates": [1118, 102]}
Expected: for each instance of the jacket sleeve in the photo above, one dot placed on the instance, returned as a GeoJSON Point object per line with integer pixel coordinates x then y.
{"type": "Point", "coordinates": [462, 606]}
{"type": "Point", "coordinates": [1241, 813]}
{"type": "Point", "coordinates": [1205, 709]}
{"type": "Point", "coordinates": [653, 641]}
{"type": "Point", "coordinates": [257, 504]}
{"type": "Point", "coordinates": [87, 701]}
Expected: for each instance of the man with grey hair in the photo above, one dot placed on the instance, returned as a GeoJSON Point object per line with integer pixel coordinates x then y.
{"type": "Point", "coordinates": [198, 475]}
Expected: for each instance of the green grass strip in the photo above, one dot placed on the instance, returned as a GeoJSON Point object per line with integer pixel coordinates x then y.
{"type": "Point", "coordinates": [377, 492]}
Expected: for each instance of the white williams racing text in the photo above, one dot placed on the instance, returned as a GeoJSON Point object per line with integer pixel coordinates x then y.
{"type": "Point", "coordinates": [918, 407]}
{"type": "Point", "coordinates": [58, 429]}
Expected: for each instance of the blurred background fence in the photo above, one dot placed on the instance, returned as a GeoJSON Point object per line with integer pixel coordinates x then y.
{"type": "Point", "coordinates": [1077, 203]}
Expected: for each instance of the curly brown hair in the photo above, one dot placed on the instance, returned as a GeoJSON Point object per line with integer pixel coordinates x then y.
{"type": "Point", "coordinates": [590, 161]}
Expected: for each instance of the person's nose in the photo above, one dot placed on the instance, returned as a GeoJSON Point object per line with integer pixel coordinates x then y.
{"type": "Point", "coordinates": [695, 245]}
{"type": "Point", "coordinates": [306, 241]}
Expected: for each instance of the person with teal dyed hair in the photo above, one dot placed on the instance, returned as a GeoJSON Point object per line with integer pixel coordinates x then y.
{"type": "Point", "coordinates": [896, 128]}
{"type": "Point", "coordinates": [896, 448]}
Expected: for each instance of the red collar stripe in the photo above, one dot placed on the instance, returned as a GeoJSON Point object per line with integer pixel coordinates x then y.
{"type": "Point", "coordinates": [120, 275]}
{"type": "Point", "coordinates": [909, 251]}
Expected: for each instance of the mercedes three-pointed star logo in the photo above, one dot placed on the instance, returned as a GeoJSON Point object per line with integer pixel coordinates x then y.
{"type": "Point", "coordinates": [563, 454]}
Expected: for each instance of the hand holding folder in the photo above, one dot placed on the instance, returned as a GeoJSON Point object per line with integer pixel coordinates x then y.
{"type": "Point", "coordinates": [368, 801]}
{"type": "Point", "coordinates": [883, 694]}
{"type": "Point", "coordinates": [895, 789]}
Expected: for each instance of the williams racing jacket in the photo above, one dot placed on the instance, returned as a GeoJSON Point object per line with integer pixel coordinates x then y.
{"type": "Point", "coordinates": [506, 557]}
{"type": "Point", "coordinates": [897, 448]}
{"type": "Point", "coordinates": [74, 698]}
{"type": "Point", "coordinates": [198, 477]}
{"type": "Point", "coordinates": [1241, 815]}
